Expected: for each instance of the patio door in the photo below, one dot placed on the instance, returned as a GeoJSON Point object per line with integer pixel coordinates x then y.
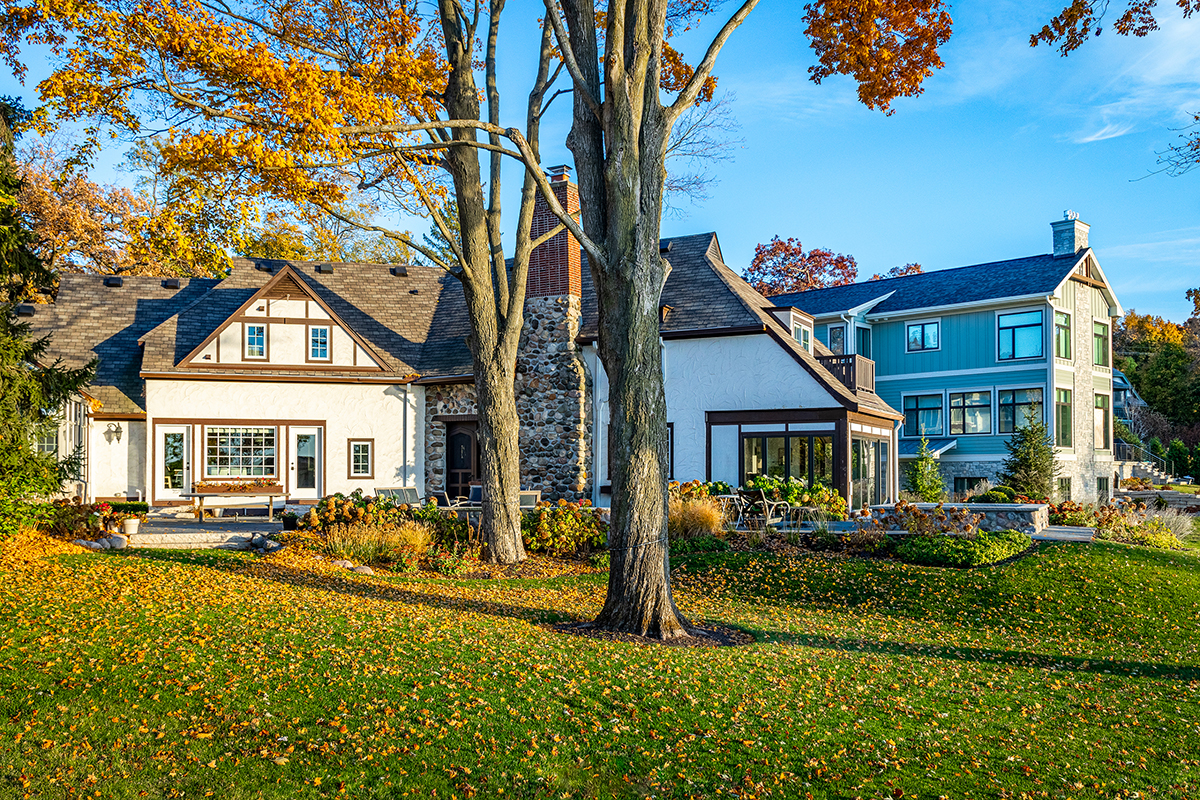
{"type": "Point", "coordinates": [306, 453]}
{"type": "Point", "coordinates": [173, 465]}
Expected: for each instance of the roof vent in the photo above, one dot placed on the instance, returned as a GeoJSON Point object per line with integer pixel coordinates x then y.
{"type": "Point", "coordinates": [263, 266]}
{"type": "Point", "coordinates": [24, 311]}
{"type": "Point", "coordinates": [665, 248]}
{"type": "Point", "coordinates": [663, 311]}
{"type": "Point", "coordinates": [414, 291]}
{"type": "Point", "coordinates": [399, 272]}
{"type": "Point", "coordinates": [325, 269]}
{"type": "Point", "coordinates": [171, 283]}
{"type": "Point", "coordinates": [114, 281]}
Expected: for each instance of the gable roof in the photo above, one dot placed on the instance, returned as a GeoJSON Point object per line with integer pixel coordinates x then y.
{"type": "Point", "coordinates": [415, 324]}
{"type": "Point", "coordinates": [389, 314]}
{"type": "Point", "coordinates": [285, 284]}
{"type": "Point", "coordinates": [89, 319]}
{"type": "Point", "coordinates": [996, 280]}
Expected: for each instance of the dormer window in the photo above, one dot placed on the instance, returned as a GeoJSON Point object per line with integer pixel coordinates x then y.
{"type": "Point", "coordinates": [803, 335]}
{"type": "Point", "coordinates": [318, 343]}
{"type": "Point", "coordinates": [256, 341]}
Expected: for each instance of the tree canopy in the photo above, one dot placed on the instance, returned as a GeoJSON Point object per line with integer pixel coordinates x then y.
{"type": "Point", "coordinates": [783, 266]}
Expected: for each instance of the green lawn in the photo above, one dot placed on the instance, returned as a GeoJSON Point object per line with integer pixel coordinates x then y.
{"type": "Point", "coordinates": [1072, 673]}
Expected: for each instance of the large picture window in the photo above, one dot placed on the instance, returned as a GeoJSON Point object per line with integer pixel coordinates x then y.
{"type": "Point", "coordinates": [1020, 335]}
{"type": "Point", "coordinates": [1062, 334]}
{"type": "Point", "coordinates": [1100, 344]}
{"type": "Point", "coordinates": [923, 415]}
{"type": "Point", "coordinates": [1062, 417]}
{"type": "Point", "coordinates": [923, 336]}
{"type": "Point", "coordinates": [808, 458]}
{"type": "Point", "coordinates": [1017, 406]}
{"type": "Point", "coordinates": [239, 452]}
{"type": "Point", "coordinates": [970, 412]}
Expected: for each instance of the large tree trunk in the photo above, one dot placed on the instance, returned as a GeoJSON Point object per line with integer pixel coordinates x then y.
{"type": "Point", "coordinates": [493, 353]}
{"type": "Point", "coordinates": [639, 580]}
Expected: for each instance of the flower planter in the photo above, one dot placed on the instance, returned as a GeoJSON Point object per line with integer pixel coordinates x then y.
{"type": "Point", "coordinates": [130, 526]}
{"type": "Point", "coordinates": [290, 523]}
{"type": "Point", "coordinates": [251, 490]}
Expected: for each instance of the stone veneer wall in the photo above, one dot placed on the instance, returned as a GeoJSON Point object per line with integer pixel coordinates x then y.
{"type": "Point", "coordinates": [962, 469]}
{"type": "Point", "coordinates": [553, 403]}
{"type": "Point", "coordinates": [553, 400]}
{"type": "Point", "coordinates": [1027, 518]}
{"type": "Point", "coordinates": [456, 399]}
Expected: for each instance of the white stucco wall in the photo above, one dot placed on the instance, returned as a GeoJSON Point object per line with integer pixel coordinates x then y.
{"type": "Point", "coordinates": [731, 373]}
{"type": "Point", "coordinates": [348, 411]}
{"type": "Point", "coordinates": [117, 469]}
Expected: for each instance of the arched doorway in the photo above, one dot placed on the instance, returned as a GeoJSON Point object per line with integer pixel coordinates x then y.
{"type": "Point", "coordinates": [462, 458]}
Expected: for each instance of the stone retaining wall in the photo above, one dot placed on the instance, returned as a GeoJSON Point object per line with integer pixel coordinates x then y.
{"type": "Point", "coordinates": [1029, 518]}
{"type": "Point", "coordinates": [1184, 501]}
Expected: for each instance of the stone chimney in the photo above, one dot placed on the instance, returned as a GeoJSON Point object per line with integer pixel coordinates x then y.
{"type": "Point", "coordinates": [555, 267]}
{"type": "Point", "coordinates": [553, 386]}
{"type": "Point", "coordinates": [1070, 234]}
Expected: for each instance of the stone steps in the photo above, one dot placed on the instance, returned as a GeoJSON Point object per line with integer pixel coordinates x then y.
{"type": "Point", "coordinates": [198, 540]}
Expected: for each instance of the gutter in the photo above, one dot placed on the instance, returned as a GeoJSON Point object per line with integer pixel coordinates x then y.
{"type": "Point", "coordinates": [997, 301]}
{"type": "Point", "coordinates": [693, 333]}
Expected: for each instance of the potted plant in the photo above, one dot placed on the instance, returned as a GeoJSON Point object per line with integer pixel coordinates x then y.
{"type": "Point", "coordinates": [290, 520]}
{"type": "Point", "coordinates": [131, 523]}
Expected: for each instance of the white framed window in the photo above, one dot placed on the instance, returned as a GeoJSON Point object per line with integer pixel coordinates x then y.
{"type": "Point", "coordinates": [1019, 335]}
{"type": "Point", "coordinates": [318, 343]}
{"type": "Point", "coordinates": [362, 458]}
{"type": "Point", "coordinates": [47, 443]}
{"type": "Point", "coordinates": [803, 335]}
{"type": "Point", "coordinates": [256, 341]}
{"type": "Point", "coordinates": [924, 336]}
{"type": "Point", "coordinates": [239, 452]}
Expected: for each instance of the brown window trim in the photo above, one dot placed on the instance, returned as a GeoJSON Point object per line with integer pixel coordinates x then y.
{"type": "Point", "coordinates": [202, 446]}
{"type": "Point", "coordinates": [350, 459]}
{"type": "Point", "coordinates": [308, 359]}
{"type": "Point", "coordinates": [266, 356]}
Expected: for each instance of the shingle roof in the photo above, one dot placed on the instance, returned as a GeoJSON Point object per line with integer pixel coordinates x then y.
{"type": "Point", "coordinates": [380, 307]}
{"type": "Point", "coordinates": [416, 324]}
{"type": "Point", "coordinates": [978, 282]}
{"type": "Point", "coordinates": [90, 320]}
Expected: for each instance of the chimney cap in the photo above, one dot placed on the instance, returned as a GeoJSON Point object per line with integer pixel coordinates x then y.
{"type": "Point", "coordinates": [558, 174]}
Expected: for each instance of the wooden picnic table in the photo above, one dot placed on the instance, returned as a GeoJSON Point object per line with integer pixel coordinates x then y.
{"type": "Point", "coordinates": [198, 500]}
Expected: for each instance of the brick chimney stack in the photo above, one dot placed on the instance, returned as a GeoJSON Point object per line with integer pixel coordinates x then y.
{"type": "Point", "coordinates": [555, 267]}
{"type": "Point", "coordinates": [1070, 234]}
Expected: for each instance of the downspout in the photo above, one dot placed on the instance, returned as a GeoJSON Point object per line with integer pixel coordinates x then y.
{"type": "Point", "coordinates": [404, 437]}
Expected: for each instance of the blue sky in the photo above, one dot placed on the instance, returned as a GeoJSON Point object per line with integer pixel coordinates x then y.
{"type": "Point", "coordinates": [1004, 139]}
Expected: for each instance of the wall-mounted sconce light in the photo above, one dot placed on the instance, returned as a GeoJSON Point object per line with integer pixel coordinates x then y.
{"type": "Point", "coordinates": [112, 432]}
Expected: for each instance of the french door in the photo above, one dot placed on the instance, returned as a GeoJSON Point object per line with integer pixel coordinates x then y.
{"type": "Point", "coordinates": [173, 466]}
{"type": "Point", "coordinates": [306, 457]}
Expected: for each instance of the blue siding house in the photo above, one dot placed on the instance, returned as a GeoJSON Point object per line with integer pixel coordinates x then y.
{"type": "Point", "coordinates": [968, 353]}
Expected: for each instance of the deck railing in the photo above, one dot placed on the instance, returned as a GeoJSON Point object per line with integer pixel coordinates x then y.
{"type": "Point", "coordinates": [1124, 451]}
{"type": "Point", "coordinates": [855, 371]}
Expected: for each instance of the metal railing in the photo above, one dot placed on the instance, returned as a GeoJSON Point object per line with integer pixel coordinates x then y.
{"type": "Point", "coordinates": [855, 371]}
{"type": "Point", "coordinates": [1124, 451]}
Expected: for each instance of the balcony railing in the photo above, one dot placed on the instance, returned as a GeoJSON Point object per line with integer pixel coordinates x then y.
{"type": "Point", "coordinates": [854, 371]}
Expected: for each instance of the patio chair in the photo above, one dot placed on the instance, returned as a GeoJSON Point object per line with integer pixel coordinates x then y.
{"type": "Point", "coordinates": [401, 494]}
{"type": "Point", "coordinates": [733, 508]}
{"type": "Point", "coordinates": [475, 495]}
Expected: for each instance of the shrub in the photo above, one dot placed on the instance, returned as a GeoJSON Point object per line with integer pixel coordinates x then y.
{"type": "Point", "coordinates": [1154, 532]}
{"type": "Point", "coordinates": [867, 539]}
{"type": "Point", "coordinates": [1137, 484]}
{"type": "Point", "coordinates": [939, 520]}
{"type": "Point", "coordinates": [953, 551]}
{"type": "Point", "coordinates": [1009, 492]}
{"type": "Point", "coordinates": [600, 560]}
{"type": "Point", "coordinates": [563, 529]}
{"type": "Point", "coordinates": [923, 477]}
{"type": "Point", "coordinates": [991, 497]}
{"type": "Point", "coordinates": [694, 516]}
{"type": "Point", "coordinates": [131, 508]}
{"type": "Point", "coordinates": [699, 544]}
{"type": "Point", "coordinates": [795, 492]}
{"type": "Point", "coordinates": [377, 543]}
{"type": "Point", "coordinates": [1069, 512]}
{"type": "Point", "coordinates": [698, 489]}
{"type": "Point", "coordinates": [1031, 467]}
{"type": "Point", "coordinates": [454, 560]}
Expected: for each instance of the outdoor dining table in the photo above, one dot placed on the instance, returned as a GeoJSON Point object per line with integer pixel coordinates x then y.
{"type": "Point", "coordinates": [197, 499]}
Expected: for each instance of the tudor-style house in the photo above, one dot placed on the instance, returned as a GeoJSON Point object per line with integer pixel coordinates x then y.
{"type": "Point", "coordinates": [967, 353]}
{"type": "Point", "coordinates": [335, 377]}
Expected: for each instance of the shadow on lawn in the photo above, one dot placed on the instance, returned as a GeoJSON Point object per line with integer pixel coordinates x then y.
{"type": "Point", "coordinates": [1140, 669]}
{"type": "Point", "coordinates": [340, 582]}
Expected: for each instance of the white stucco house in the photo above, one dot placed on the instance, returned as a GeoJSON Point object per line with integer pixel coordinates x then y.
{"type": "Point", "coordinates": [336, 377]}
